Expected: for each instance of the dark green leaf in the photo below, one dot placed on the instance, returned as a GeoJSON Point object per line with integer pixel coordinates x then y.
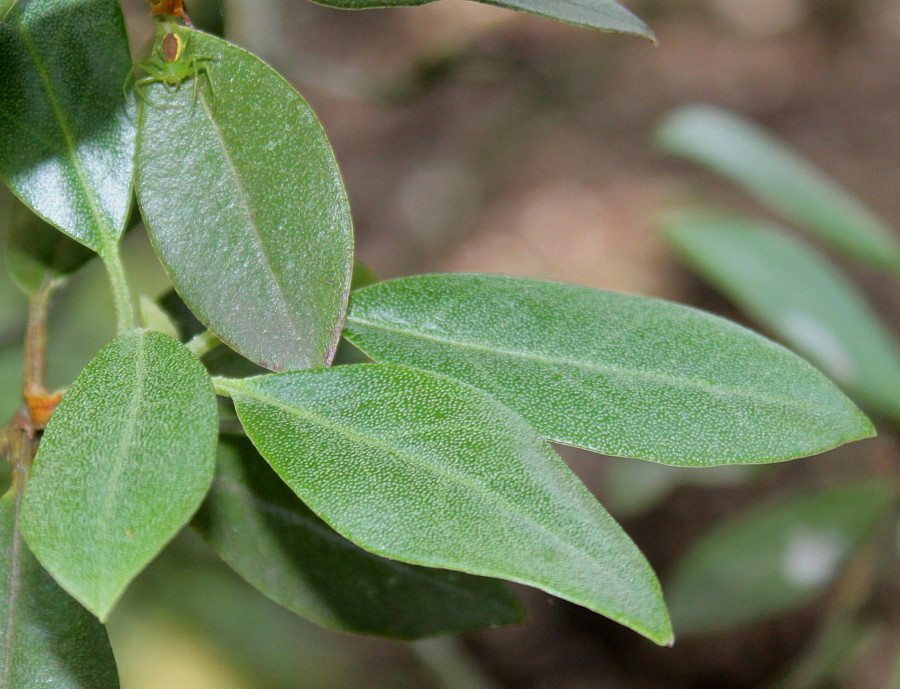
{"type": "Point", "coordinates": [46, 638]}
{"type": "Point", "coordinates": [66, 129]}
{"type": "Point", "coordinates": [781, 178]}
{"type": "Point", "coordinates": [426, 470]}
{"type": "Point", "coordinates": [795, 293]}
{"type": "Point", "coordinates": [37, 251]}
{"type": "Point", "coordinates": [614, 373]}
{"type": "Point", "coordinates": [275, 542]}
{"type": "Point", "coordinates": [774, 558]}
{"type": "Point", "coordinates": [126, 460]}
{"type": "Point", "coordinates": [604, 15]}
{"type": "Point", "coordinates": [246, 208]}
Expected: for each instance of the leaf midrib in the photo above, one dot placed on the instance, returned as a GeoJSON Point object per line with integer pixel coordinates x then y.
{"type": "Point", "coordinates": [122, 450]}
{"type": "Point", "coordinates": [244, 197]}
{"type": "Point", "coordinates": [102, 227]}
{"type": "Point", "coordinates": [379, 444]}
{"type": "Point", "coordinates": [612, 371]}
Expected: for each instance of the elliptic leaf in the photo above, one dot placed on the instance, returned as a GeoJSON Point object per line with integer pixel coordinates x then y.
{"type": "Point", "coordinates": [430, 471]}
{"type": "Point", "coordinates": [124, 463]}
{"type": "Point", "coordinates": [260, 528]}
{"type": "Point", "coordinates": [796, 294]}
{"type": "Point", "coordinates": [782, 179]}
{"type": "Point", "coordinates": [46, 638]}
{"type": "Point", "coordinates": [773, 558]}
{"type": "Point", "coordinates": [66, 128]}
{"type": "Point", "coordinates": [614, 373]}
{"type": "Point", "coordinates": [245, 206]}
{"type": "Point", "coordinates": [604, 15]}
{"type": "Point", "coordinates": [37, 251]}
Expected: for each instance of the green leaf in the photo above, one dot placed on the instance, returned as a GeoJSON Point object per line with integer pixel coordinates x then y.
{"type": "Point", "coordinates": [782, 179]}
{"type": "Point", "coordinates": [246, 208]}
{"type": "Point", "coordinates": [429, 471]}
{"type": "Point", "coordinates": [37, 251]}
{"type": "Point", "coordinates": [614, 373]}
{"type": "Point", "coordinates": [796, 294]}
{"type": "Point", "coordinates": [154, 317]}
{"type": "Point", "coordinates": [124, 463]}
{"type": "Point", "coordinates": [46, 638]}
{"type": "Point", "coordinates": [66, 129]}
{"type": "Point", "coordinates": [260, 528]}
{"type": "Point", "coordinates": [5, 7]}
{"type": "Point", "coordinates": [773, 558]}
{"type": "Point", "coordinates": [604, 15]}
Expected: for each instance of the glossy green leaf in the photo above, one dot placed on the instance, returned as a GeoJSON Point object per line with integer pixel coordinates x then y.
{"type": "Point", "coordinates": [773, 558]}
{"type": "Point", "coordinates": [797, 295]}
{"type": "Point", "coordinates": [46, 638]}
{"type": "Point", "coordinates": [426, 470]}
{"type": "Point", "coordinates": [154, 317]}
{"type": "Point", "coordinates": [245, 206]}
{"type": "Point", "coordinates": [604, 15]}
{"type": "Point", "coordinates": [782, 179]}
{"type": "Point", "coordinates": [260, 528]}
{"type": "Point", "coordinates": [66, 129]}
{"type": "Point", "coordinates": [124, 463]}
{"type": "Point", "coordinates": [37, 251]}
{"type": "Point", "coordinates": [613, 373]}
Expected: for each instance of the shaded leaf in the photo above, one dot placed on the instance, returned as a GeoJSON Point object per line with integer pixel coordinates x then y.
{"type": "Point", "coordinates": [46, 639]}
{"type": "Point", "coordinates": [37, 251]}
{"type": "Point", "coordinates": [429, 471]}
{"type": "Point", "coordinates": [773, 558]}
{"type": "Point", "coordinates": [125, 461]}
{"type": "Point", "coordinates": [260, 528]}
{"type": "Point", "coordinates": [797, 295]}
{"type": "Point", "coordinates": [780, 178]}
{"type": "Point", "coordinates": [66, 130]}
{"type": "Point", "coordinates": [614, 373]}
{"type": "Point", "coordinates": [251, 219]}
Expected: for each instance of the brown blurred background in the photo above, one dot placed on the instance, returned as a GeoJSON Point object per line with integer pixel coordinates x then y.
{"type": "Point", "coordinates": [477, 139]}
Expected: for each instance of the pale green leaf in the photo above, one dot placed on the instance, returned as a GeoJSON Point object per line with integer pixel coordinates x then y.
{"type": "Point", "coordinates": [614, 373]}
{"type": "Point", "coordinates": [260, 528]}
{"type": "Point", "coordinates": [5, 7]}
{"type": "Point", "coordinates": [775, 557]}
{"type": "Point", "coordinates": [46, 638]}
{"type": "Point", "coordinates": [244, 203]}
{"type": "Point", "coordinates": [153, 317]}
{"type": "Point", "coordinates": [427, 470]}
{"type": "Point", "coordinates": [66, 128]}
{"type": "Point", "coordinates": [124, 463]}
{"type": "Point", "coordinates": [798, 296]}
{"type": "Point", "coordinates": [782, 179]}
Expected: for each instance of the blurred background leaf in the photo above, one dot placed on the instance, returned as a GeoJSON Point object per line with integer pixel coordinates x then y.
{"type": "Point", "coordinates": [795, 293]}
